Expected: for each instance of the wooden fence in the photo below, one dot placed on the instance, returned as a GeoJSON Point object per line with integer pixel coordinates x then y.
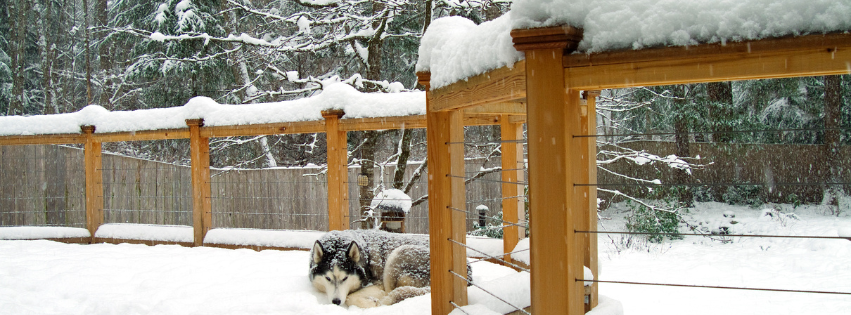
{"type": "Point", "coordinates": [43, 185]}
{"type": "Point", "coordinates": [783, 170]}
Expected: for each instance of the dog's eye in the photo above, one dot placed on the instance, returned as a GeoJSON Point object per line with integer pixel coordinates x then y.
{"type": "Point", "coordinates": [328, 278]}
{"type": "Point", "coordinates": [344, 279]}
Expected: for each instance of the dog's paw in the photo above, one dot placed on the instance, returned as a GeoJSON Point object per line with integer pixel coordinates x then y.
{"type": "Point", "coordinates": [367, 297]}
{"type": "Point", "coordinates": [364, 302]}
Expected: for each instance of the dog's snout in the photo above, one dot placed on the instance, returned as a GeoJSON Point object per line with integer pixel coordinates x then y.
{"type": "Point", "coordinates": [336, 301]}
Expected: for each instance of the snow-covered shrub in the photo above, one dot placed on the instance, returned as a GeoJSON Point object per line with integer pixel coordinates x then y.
{"type": "Point", "coordinates": [750, 195]}
{"type": "Point", "coordinates": [719, 226]}
{"type": "Point", "coordinates": [703, 194]}
{"type": "Point", "coordinates": [492, 228]}
{"type": "Point", "coordinates": [776, 215]}
{"type": "Point", "coordinates": [659, 223]}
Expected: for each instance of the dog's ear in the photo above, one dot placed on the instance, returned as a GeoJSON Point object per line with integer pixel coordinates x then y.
{"type": "Point", "coordinates": [355, 252]}
{"type": "Point", "coordinates": [318, 252]}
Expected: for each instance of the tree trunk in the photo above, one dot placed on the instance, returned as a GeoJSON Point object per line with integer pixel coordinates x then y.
{"type": "Point", "coordinates": [367, 164]}
{"type": "Point", "coordinates": [721, 96]}
{"type": "Point", "coordinates": [48, 58]}
{"type": "Point", "coordinates": [427, 17]}
{"type": "Point", "coordinates": [832, 153]}
{"type": "Point", "coordinates": [681, 139]}
{"type": "Point", "coordinates": [87, 52]}
{"type": "Point", "coordinates": [17, 10]}
{"type": "Point", "coordinates": [105, 56]}
{"type": "Point", "coordinates": [402, 162]}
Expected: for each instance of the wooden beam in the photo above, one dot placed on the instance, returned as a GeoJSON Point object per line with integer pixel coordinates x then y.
{"type": "Point", "coordinates": [383, 123]}
{"type": "Point", "coordinates": [201, 193]}
{"type": "Point", "coordinates": [94, 180]}
{"type": "Point", "coordinates": [505, 84]}
{"type": "Point", "coordinates": [43, 139]}
{"type": "Point", "coordinates": [261, 129]}
{"type": "Point", "coordinates": [479, 119]}
{"type": "Point", "coordinates": [552, 120]}
{"type": "Point", "coordinates": [811, 55]}
{"type": "Point", "coordinates": [338, 175]}
{"type": "Point", "coordinates": [316, 126]}
{"type": "Point", "coordinates": [513, 108]}
{"type": "Point", "coordinates": [182, 133]}
{"type": "Point", "coordinates": [513, 207]}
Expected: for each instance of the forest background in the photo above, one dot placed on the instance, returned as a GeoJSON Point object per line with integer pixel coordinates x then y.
{"type": "Point", "coordinates": [57, 56]}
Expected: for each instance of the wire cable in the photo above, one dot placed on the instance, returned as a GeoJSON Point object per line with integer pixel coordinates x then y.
{"type": "Point", "coordinates": [488, 292]}
{"type": "Point", "coordinates": [716, 287]}
{"type": "Point", "coordinates": [710, 132]}
{"type": "Point", "coordinates": [476, 214]}
{"type": "Point", "coordinates": [458, 307]}
{"type": "Point", "coordinates": [726, 235]}
{"type": "Point", "coordinates": [489, 180]}
{"type": "Point", "coordinates": [712, 184]}
{"type": "Point", "coordinates": [488, 256]}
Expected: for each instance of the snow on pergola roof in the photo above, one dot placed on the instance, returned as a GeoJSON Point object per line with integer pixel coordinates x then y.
{"type": "Point", "coordinates": [338, 96]}
{"type": "Point", "coordinates": [454, 48]}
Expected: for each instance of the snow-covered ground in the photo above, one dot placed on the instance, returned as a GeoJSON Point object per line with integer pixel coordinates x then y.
{"type": "Point", "coordinates": [795, 264]}
{"type": "Point", "coordinates": [44, 277]}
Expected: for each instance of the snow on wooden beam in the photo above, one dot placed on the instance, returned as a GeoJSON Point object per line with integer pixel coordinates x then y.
{"type": "Point", "coordinates": [811, 55]}
{"type": "Point", "coordinates": [501, 85]}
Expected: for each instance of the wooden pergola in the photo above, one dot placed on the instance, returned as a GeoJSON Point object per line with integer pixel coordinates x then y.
{"type": "Point", "coordinates": [546, 86]}
{"type": "Point", "coordinates": [334, 126]}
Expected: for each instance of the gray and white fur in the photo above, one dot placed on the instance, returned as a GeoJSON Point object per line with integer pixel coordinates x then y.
{"type": "Point", "coordinates": [368, 268]}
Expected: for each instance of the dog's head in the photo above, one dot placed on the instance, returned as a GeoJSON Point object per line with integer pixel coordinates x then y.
{"type": "Point", "coordinates": [337, 273]}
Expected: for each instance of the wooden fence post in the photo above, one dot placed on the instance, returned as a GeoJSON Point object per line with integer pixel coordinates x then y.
{"type": "Point", "coordinates": [446, 189]}
{"type": "Point", "coordinates": [94, 181]}
{"type": "Point", "coordinates": [513, 209]}
{"type": "Point", "coordinates": [338, 175]}
{"type": "Point", "coordinates": [588, 126]}
{"type": "Point", "coordinates": [554, 157]}
{"type": "Point", "coordinates": [202, 212]}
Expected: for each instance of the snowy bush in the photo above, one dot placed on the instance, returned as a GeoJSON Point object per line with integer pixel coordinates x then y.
{"type": "Point", "coordinates": [750, 195]}
{"type": "Point", "coordinates": [493, 228]}
{"type": "Point", "coordinates": [659, 223]}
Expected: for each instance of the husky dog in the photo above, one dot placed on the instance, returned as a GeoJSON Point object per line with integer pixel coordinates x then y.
{"type": "Point", "coordinates": [369, 268]}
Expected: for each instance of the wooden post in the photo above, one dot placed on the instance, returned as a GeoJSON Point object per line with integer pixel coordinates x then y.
{"type": "Point", "coordinates": [553, 113]}
{"type": "Point", "coordinates": [94, 181]}
{"type": "Point", "coordinates": [202, 212]}
{"type": "Point", "coordinates": [588, 126]}
{"type": "Point", "coordinates": [513, 209]}
{"type": "Point", "coordinates": [445, 131]}
{"type": "Point", "coordinates": [338, 175]}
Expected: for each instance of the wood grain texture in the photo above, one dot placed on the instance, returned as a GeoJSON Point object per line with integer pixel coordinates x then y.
{"type": "Point", "coordinates": [513, 209]}
{"type": "Point", "coordinates": [501, 85]}
{"type": "Point", "coordinates": [94, 181]}
{"type": "Point", "coordinates": [337, 154]}
{"type": "Point", "coordinates": [440, 220]}
{"type": "Point", "coordinates": [200, 168]}
{"type": "Point", "coordinates": [553, 116]}
{"type": "Point", "coordinates": [811, 55]}
{"type": "Point", "coordinates": [43, 139]}
{"type": "Point", "coordinates": [587, 195]}
{"type": "Point", "coordinates": [383, 123]}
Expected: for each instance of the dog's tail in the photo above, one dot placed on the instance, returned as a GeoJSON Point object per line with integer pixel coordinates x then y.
{"type": "Point", "coordinates": [401, 293]}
